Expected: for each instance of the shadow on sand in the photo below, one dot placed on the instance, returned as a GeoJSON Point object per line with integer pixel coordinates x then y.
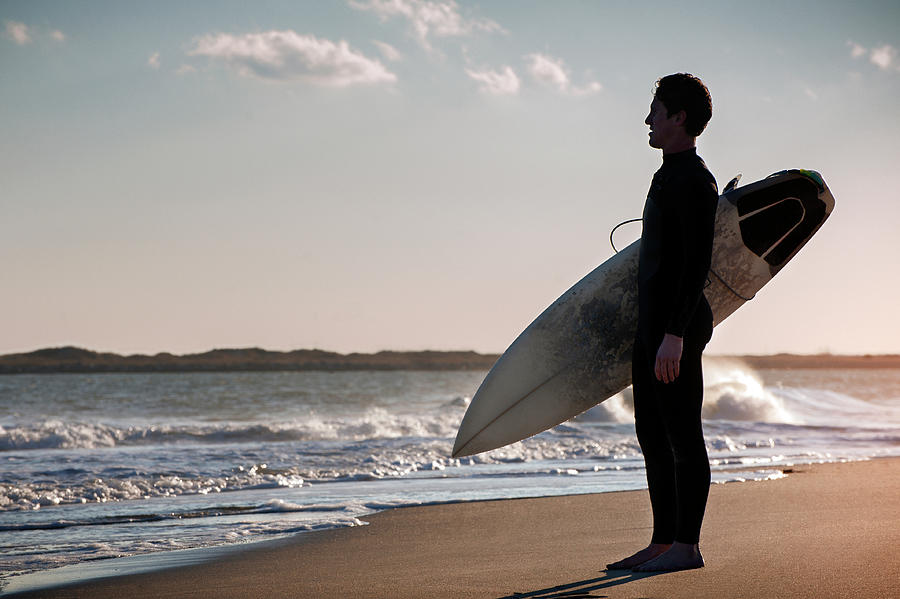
{"type": "Point", "coordinates": [584, 589]}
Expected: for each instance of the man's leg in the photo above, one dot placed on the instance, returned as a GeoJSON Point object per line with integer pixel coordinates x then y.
{"type": "Point", "coordinates": [659, 460]}
{"type": "Point", "coordinates": [682, 406]}
{"type": "Point", "coordinates": [691, 460]}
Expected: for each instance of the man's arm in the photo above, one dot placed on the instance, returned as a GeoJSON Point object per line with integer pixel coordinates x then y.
{"type": "Point", "coordinates": [695, 222]}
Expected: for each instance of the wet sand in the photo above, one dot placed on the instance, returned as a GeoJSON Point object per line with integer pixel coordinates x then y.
{"type": "Point", "coordinates": [829, 530]}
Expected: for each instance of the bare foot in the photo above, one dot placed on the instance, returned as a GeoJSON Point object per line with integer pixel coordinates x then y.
{"type": "Point", "coordinates": [648, 553]}
{"type": "Point", "coordinates": [681, 556]}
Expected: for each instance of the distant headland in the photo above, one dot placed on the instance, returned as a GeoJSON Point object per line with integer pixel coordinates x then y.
{"type": "Point", "coordinates": [77, 360]}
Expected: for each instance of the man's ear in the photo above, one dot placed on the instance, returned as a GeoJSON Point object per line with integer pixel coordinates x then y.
{"type": "Point", "coordinates": [680, 117]}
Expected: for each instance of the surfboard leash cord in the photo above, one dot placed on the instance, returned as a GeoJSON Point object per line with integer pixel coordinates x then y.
{"type": "Point", "coordinates": [730, 288]}
{"type": "Point", "coordinates": [708, 282]}
{"type": "Point", "coordinates": [624, 222]}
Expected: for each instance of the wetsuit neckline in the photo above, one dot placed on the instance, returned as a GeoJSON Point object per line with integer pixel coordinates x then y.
{"type": "Point", "coordinates": [679, 156]}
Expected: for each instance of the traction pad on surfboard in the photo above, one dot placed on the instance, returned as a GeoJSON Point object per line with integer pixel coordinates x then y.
{"type": "Point", "coordinates": [777, 220]}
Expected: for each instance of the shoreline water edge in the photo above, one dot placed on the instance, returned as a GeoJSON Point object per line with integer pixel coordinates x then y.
{"type": "Point", "coordinates": [764, 538]}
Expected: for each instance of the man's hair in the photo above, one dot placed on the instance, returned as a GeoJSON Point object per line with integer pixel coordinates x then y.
{"type": "Point", "coordinates": [683, 91]}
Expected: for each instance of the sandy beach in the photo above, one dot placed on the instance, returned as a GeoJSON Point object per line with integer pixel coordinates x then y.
{"type": "Point", "coordinates": [830, 530]}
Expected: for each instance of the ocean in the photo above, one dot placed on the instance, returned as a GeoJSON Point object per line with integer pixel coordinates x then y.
{"type": "Point", "coordinates": [99, 466]}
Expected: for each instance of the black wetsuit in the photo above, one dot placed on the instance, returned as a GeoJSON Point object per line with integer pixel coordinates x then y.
{"type": "Point", "coordinates": [675, 255]}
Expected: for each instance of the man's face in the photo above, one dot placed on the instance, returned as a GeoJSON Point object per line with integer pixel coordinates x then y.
{"type": "Point", "coordinates": [664, 130]}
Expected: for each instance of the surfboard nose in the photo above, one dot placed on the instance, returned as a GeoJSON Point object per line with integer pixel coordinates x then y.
{"type": "Point", "coordinates": [458, 447]}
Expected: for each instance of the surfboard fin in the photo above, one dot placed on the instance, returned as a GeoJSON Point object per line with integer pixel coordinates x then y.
{"type": "Point", "coordinates": [732, 184]}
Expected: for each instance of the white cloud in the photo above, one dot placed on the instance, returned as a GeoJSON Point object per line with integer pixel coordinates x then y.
{"type": "Point", "coordinates": [185, 69]}
{"type": "Point", "coordinates": [153, 61]}
{"type": "Point", "coordinates": [593, 87]}
{"type": "Point", "coordinates": [855, 49]}
{"type": "Point", "coordinates": [883, 57]}
{"type": "Point", "coordinates": [22, 34]}
{"type": "Point", "coordinates": [553, 73]}
{"type": "Point", "coordinates": [388, 51]}
{"type": "Point", "coordinates": [497, 83]}
{"type": "Point", "coordinates": [286, 55]}
{"type": "Point", "coordinates": [810, 93]}
{"type": "Point", "coordinates": [18, 32]}
{"type": "Point", "coordinates": [548, 71]}
{"type": "Point", "coordinates": [438, 18]}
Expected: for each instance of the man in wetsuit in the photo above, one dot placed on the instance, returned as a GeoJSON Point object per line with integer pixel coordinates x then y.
{"type": "Point", "coordinates": [674, 325]}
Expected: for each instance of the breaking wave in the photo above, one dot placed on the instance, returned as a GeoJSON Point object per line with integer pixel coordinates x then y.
{"type": "Point", "coordinates": [376, 423]}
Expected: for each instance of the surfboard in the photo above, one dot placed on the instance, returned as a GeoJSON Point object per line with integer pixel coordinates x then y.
{"type": "Point", "coordinates": [577, 353]}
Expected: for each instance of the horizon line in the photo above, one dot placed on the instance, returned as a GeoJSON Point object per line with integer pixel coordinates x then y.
{"type": "Point", "coordinates": [408, 351]}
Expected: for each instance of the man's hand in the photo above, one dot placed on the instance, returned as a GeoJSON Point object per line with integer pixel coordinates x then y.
{"type": "Point", "coordinates": [668, 358]}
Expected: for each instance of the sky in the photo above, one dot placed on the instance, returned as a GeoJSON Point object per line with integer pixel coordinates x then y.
{"type": "Point", "coordinates": [416, 174]}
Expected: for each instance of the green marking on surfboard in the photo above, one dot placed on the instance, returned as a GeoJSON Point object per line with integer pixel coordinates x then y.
{"type": "Point", "coordinates": [816, 177]}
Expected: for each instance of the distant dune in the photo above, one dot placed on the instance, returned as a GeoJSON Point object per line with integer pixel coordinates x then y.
{"type": "Point", "coordinates": [820, 361]}
{"type": "Point", "coordinates": [74, 359]}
